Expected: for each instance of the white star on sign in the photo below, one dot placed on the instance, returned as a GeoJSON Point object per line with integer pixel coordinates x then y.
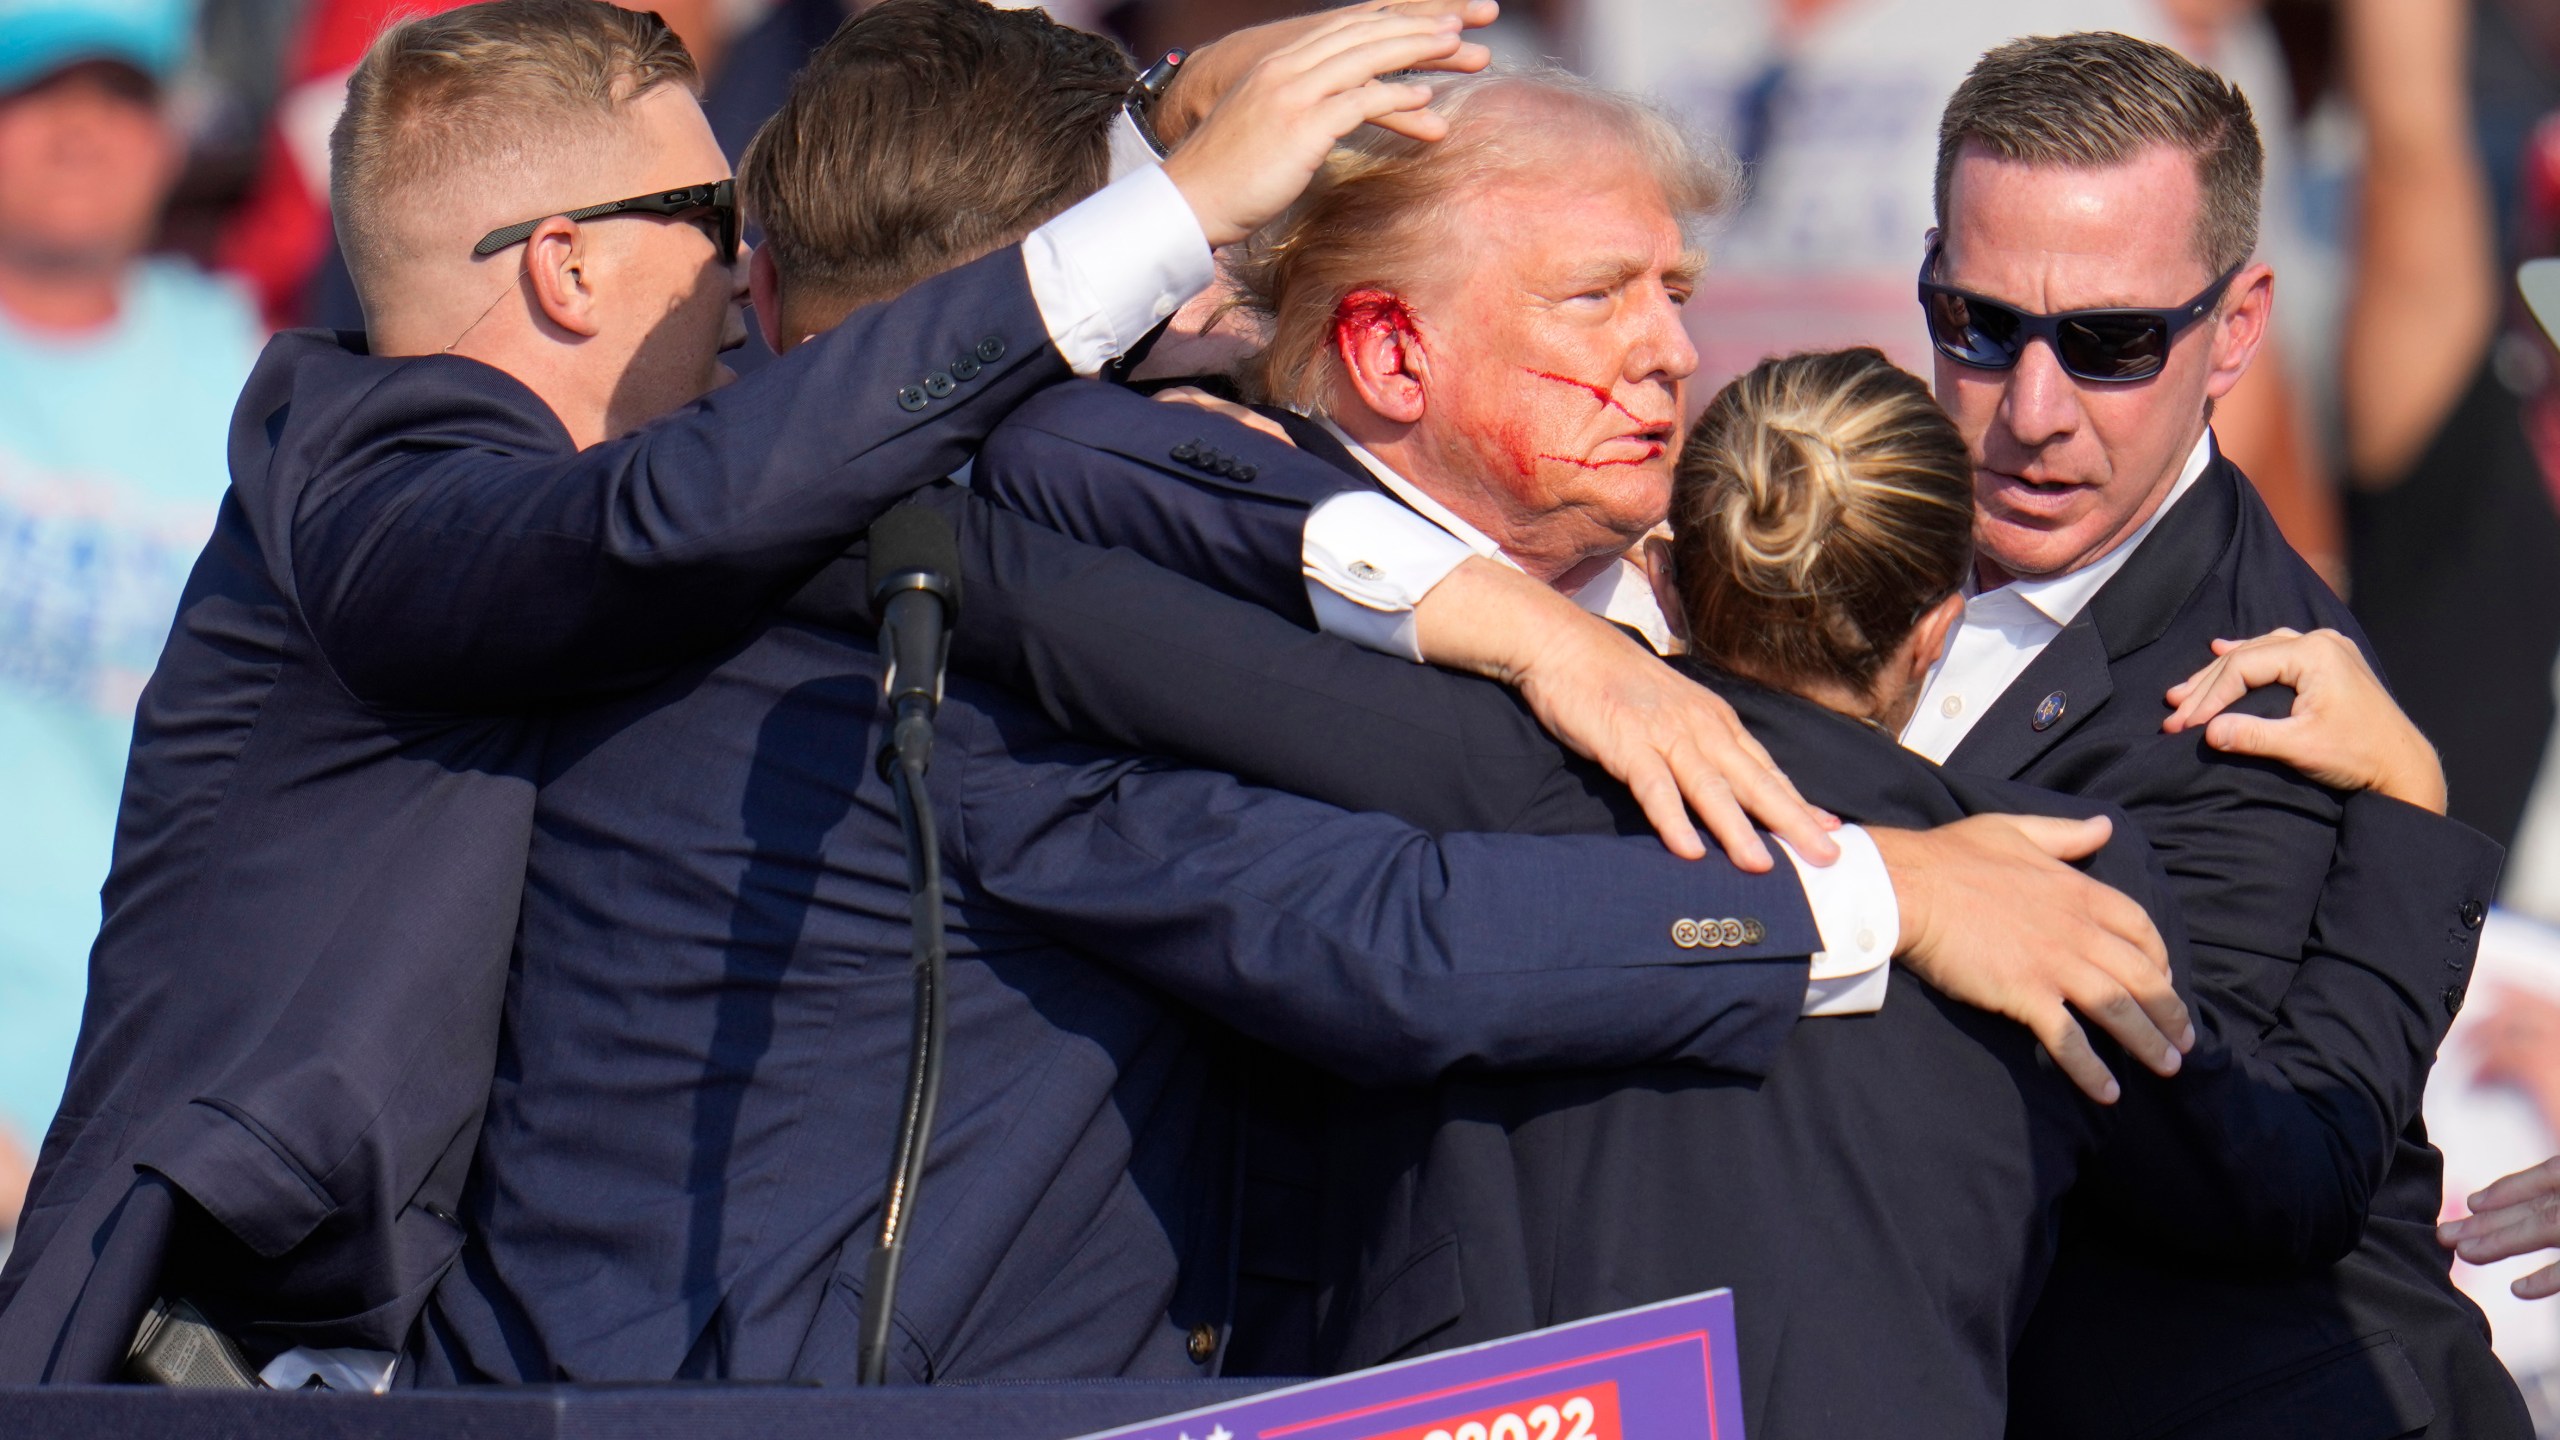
{"type": "Point", "coordinates": [1221, 1433]}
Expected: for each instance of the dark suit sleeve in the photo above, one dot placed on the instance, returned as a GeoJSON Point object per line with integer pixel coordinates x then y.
{"type": "Point", "coordinates": [1193, 491]}
{"type": "Point", "coordinates": [451, 552]}
{"type": "Point", "coordinates": [1361, 944]}
{"type": "Point", "coordinates": [1122, 652]}
{"type": "Point", "coordinates": [2270, 1144]}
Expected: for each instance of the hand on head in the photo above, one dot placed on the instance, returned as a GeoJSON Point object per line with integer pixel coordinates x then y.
{"type": "Point", "coordinates": [1265, 137]}
{"type": "Point", "coordinates": [1215, 69]}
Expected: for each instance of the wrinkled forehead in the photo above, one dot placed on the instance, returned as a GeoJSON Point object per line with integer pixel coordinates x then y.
{"type": "Point", "coordinates": [1601, 219]}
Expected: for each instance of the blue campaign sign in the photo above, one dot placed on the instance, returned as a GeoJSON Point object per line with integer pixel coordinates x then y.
{"type": "Point", "coordinates": [1662, 1370]}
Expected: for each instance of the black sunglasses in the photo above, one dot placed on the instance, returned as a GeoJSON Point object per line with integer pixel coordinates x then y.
{"type": "Point", "coordinates": [2103, 345]}
{"type": "Point", "coordinates": [720, 197]}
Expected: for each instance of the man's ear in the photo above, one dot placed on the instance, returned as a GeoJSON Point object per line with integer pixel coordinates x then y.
{"type": "Point", "coordinates": [562, 267]}
{"type": "Point", "coordinates": [1379, 343]}
{"type": "Point", "coordinates": [2247, 309]}
{"type": "Point", "coordinates": [764, 293]}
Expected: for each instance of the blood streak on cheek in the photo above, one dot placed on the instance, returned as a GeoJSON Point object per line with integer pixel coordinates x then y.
{"type": "Point", "coordinates": [1651, 454]}
{"type": "Point", "coordinates": [1599, 393]}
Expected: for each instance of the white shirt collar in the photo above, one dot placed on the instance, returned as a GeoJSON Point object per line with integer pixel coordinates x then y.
{"type": "Point", "coordinates": [1621, 592]}
{"type": "Point", "coordinates": [2061, 598]}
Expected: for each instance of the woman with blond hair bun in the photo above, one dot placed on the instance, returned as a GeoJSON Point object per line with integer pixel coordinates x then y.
{"type": "Point", "coordinates": [1823, 524]}
{"type": "Point", "coordinates": [1884, 1201]}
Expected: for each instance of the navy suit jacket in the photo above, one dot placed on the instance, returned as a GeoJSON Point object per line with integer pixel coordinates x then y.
{"type": "Point", "coordinates": [2250, 850]}
{"type": "Point", "coordinates": [700, 1071]}
{"type": "Point", "coordinates": [294, 1000]}
{"type": "Point", "coordinates": [2380, 1343]}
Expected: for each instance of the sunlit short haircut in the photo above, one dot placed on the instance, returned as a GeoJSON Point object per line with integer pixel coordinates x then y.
{"type": "Point", "coordinates": [925, 134]}
{"type": "Point", "coordinates": [475, 91]}
{"type": "Point", "coordinates": [2095, 99]}
{"type": "Point", "coordinates": [1377, 215]}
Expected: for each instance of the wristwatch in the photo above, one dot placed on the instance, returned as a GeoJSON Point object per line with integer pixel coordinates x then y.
{"type": "Point", "coordinates": [1147, 90]}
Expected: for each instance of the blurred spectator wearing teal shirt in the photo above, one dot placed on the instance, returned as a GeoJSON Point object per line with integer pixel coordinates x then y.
{"type": "Point", "coordinates": [117, 377]}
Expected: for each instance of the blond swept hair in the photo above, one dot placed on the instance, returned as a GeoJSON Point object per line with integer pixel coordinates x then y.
{"type": "Point", "coordinates": [1821, 506]}
{"type": "Point", "coordinates": [2097, 98]}
{"type": "Point", "coordinates": [1376, 216]}
{"type": "Point", "coordinates": [474, 88]}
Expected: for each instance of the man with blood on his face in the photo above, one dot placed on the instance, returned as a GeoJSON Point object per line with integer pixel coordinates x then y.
{"type": "Point", "coordinates": [1492, 334]}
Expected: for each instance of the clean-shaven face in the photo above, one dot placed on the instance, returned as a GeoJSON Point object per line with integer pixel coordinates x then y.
{"type": "Point", "coordinates": [681, 301]}
{"type": "Point", "coordinates": [2066, 468]}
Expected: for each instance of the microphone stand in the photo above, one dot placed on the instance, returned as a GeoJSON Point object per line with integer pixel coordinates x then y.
{"type": "Point", "coordinates": [915, 592]}
{"type": "Point", "coordinates": [906, 766]}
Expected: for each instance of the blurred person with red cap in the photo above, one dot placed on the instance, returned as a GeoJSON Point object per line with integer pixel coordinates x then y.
{"type": "Point", "coordinates": [117, 374]}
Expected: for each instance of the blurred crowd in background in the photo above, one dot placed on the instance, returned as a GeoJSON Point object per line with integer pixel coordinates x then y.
{"type": "Point", "coordinates": [163, 204]}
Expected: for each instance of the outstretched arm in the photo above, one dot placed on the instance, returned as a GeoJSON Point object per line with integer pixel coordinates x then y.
{"type": "Point", "coordinates": [1359, 943]}
{"type": "Point", "coordinates": [463, 555]}
{"type": "Point", "coordinates": [1119, 651]}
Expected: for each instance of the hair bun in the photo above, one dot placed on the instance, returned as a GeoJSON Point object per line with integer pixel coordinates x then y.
{"type": "Point", "coordinates": [1789, 483]}
{"type": "Point", "coordinates": [1822, 502]}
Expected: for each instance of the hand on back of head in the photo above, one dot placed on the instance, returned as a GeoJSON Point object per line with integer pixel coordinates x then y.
{"type": "Point", "coordinates": [1265, 137]}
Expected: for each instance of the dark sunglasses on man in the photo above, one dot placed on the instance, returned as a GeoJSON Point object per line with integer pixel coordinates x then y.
{"type": "Point", "coordinates": [2103, 345]}
{"type": "Point", "coordinates": [718, 198]}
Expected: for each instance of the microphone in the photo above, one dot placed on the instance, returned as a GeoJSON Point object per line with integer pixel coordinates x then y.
{"type": "Point", "coordinates": [915, 590]}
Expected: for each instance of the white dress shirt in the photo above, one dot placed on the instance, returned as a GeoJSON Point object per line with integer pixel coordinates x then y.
{"type": "Point", "coordinates": [1115, 265]}
{"type": "Point", "coordinates": [1369, 560]}
{"type": "Point", "coordinates": [2004, 630]}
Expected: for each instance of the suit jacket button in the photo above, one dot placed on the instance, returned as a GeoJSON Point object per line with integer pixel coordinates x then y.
{"type": "Point", "coordinates": [1245, 473]}
{"type": "Point", "coordinates": [1753, 932]}
{"type": "Point", "coordinates": [1684, 933]}
{"type": "Point", "coordinates": [1202, 1344]}
{"type": "Point", "coordinates": [1187, 451]}
{"type": "Point", "coordinates": [2473, 912]}
{"type": "Point", "coordinates": [2453, 999]}
{"type": "Point", "coordinates": [991, 349]}
{"type": "Point", "coordinates": [939, 384]}
{"type": "Point", "coordinates": [966, 368]}
{"type": "Point", "coordinates": [911, 398]}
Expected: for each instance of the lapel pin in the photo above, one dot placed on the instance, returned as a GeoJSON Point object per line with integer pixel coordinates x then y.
{"type": "Point", "coordinates": [2051, 710]}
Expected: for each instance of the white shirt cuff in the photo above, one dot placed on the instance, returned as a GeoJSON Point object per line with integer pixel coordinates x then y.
{"type": "Point", "coordinates": [1113, 266]}
{"type": "Point", "coordinates": [1368, 562]}
{"type": "Point", "coordinates": [1859, 921]}
{"type": "Point", "coordinates": [1130, 151]}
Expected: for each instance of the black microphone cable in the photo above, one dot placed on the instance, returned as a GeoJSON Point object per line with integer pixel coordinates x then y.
{"type": "Point", "coordinates": [915, 589]}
